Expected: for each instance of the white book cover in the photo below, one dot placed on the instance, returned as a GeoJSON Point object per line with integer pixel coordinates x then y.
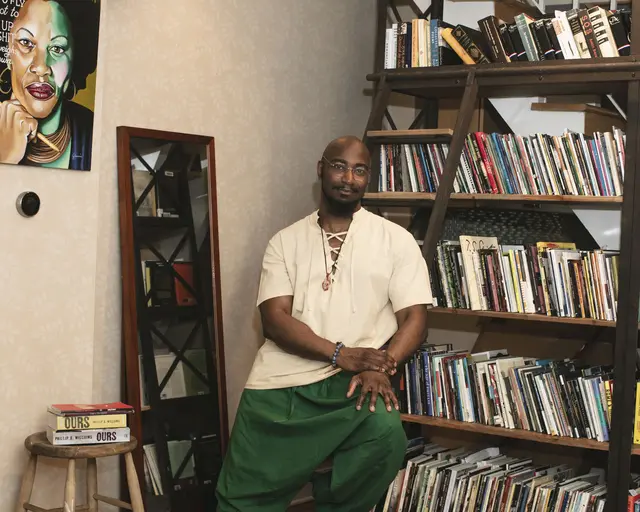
{"type": "Point", "coordinates": [470, 246]}
{"type": "Point", "coordinates": [388, 35]}
{"type": "Point", "coordinates": [384, 171]}
{"type": "Point", "coordinates": [602, 32]}
{"type": "Point", "coordinates": [507, 284]}
{"type": "Point", "coordinates": [503, 366]}
{"type": "Point", "coordinates": [520, 272]}
{"type": "Point", "coordinates": [592, 433]}
{"type": "Point", "coordinates": [393, 61]}
{"type": "Point", "coordinates": [569, 41]}
{"type": "Point", "coordinates": [95, 436]}
{"type": "Point", "coordinates": [411, 168]}
{"type": "Point", "coordinates": [558, 28]}
{"type": "Point", "coordinates": [152, 459]}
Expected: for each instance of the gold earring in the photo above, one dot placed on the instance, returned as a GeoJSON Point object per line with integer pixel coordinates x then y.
{"type": "Point", "coordinates": [5, 85]}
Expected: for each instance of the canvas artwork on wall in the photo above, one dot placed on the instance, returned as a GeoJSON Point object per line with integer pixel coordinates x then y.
{"type": "Point", "coordinates": [48, 57]}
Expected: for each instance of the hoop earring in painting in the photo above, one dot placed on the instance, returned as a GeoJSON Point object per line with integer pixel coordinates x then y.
{"type": "Point", "coordinates": [5, 85]}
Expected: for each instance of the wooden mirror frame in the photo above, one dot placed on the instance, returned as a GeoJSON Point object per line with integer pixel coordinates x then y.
{"type": "Point", "coordinates": [131, 388]}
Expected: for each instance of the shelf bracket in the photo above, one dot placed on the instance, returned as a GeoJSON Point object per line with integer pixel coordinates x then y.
{"type": "Point", "coordinates": [445, 187]}
{"type": "Point", "coordinates": [389, 118]}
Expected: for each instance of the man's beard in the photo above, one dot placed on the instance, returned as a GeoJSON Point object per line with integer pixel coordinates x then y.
{"type": "Point", "coordinates": [340, 208]}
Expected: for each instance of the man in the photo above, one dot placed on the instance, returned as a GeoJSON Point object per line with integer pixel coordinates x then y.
{"type": "Point", "coordinates": [335, 287]}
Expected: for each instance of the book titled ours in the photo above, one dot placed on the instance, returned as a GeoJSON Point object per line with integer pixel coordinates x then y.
{"type": "Point", "coordinates": [75, 424]}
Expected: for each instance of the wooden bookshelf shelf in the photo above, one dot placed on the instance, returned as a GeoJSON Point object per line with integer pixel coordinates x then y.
{"type": "Point", "coordinates": [586, 444]}
{"type": "Point", "coordinates": [426, 136]}
{"type": "Point", "coordinates": [523, 316]}
{"type": "Point", "coordinates": [418, 198]}
{"type": "Point", "coordinates": [593, 76]}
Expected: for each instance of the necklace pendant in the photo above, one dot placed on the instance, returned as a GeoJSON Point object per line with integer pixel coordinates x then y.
{"type": "Point", "coordinates": [326, 283]}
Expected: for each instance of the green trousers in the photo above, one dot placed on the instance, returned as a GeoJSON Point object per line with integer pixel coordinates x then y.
{"type": "Point", "coordinates": [281, 436]}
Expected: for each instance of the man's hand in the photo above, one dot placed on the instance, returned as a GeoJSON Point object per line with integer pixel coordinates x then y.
{"type": "Point", "coordinates": [375, 383]}
{"type": "Point", "coordinates": [366, 359]}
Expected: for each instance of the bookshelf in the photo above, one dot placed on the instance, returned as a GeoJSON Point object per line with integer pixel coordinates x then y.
{"type": "Point", "coordinates": [172, 329]}
{"type": "Point", "coordinates": [528, 317]}
{"type": "Point", "coordinates": [619, 76]}
{"type": "Point", "coordinates": [585, 444]}
{"type": "Point", "coordinates": [427, 198]}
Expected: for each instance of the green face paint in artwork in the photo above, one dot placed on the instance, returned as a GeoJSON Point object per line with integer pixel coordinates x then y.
{"type": "Point", "coordinates": [41, 55]}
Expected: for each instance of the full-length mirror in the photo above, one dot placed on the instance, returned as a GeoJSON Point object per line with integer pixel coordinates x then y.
{"type": "Point", "coordinates": [172, 331]}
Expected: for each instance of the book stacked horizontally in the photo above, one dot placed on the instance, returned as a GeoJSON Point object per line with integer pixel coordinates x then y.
{"type": "Point", "coordinates": [75, 424]}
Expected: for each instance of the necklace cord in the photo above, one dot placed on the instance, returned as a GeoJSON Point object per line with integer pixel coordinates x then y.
{"type": "Point", "coordinates": [324, 252]}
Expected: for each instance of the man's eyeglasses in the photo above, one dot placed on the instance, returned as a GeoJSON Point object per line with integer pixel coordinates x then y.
{"type": "Point", "coordinates": [358, 170]}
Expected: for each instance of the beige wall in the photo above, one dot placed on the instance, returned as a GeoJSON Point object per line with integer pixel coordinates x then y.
{"type": "Point", "coordinates": [273, 81]}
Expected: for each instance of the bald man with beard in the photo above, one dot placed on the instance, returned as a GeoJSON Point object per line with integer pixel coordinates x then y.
{"type": "Point", "coordinates": [342, 297]}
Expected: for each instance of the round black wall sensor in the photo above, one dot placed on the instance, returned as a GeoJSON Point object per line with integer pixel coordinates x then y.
{"type": "Point", "coordinates": [28, 204]}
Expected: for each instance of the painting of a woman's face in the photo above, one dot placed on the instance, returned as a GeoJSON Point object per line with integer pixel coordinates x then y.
{"type": "Point", "coordinates": [41, 55]}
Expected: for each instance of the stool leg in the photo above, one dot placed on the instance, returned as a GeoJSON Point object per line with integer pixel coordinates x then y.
{"type": "Point", "coordinates": [134, 484]}
{"type": "Point", "coordinates": [70, 488]}
{"type": "Point", "coordinates": [92, 484]}
{"type": "Point", "coordinates": [27, 483]}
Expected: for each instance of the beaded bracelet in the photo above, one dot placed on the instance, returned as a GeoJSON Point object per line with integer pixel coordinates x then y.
{"type": "Point", "coordinates": [339, 345]}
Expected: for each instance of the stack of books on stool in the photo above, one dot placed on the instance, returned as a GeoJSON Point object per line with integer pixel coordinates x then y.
{"type": "Point", "coordinates": [75, 424]}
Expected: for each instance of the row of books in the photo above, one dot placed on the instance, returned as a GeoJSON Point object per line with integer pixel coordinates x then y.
{"type": "Point", "coordinates": [547, 278]}
{"type": "Point", "coordinates": [81, 424]}
{"type": "Point", "coordinates": [493, 163]}
{"type": "Point", "coordinates": [156, 194]}
{"type": "Point", "coordinates": [440, 479]}
{"type": "Point", "coordinates": [574, 34]}
{"type": "Point", "coordinates": [162, 286]}
{"type": "Point", "coordinates": [418, 43]}
{"type": "Point", "coordinates": [192, 462]}
{"type": "Point", "coordinates": [180, 455]}
{"type": "Point", "coordinates": [560, 398]}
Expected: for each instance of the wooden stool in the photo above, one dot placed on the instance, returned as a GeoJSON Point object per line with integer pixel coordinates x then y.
{"type": "Point", "coordinates": [39, 445]}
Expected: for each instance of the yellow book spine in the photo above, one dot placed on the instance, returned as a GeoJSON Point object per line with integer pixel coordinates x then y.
{"type": "Point", "coordinates": [636, 420]}
{"type": "Point", "coordinates": [456, 47]}
{"type": "Point", "coordinates": [516, 282]}
{"type": "Point", "coordinates": [608, 397]}
{"type": "Point", "coordinates": [87, 422]}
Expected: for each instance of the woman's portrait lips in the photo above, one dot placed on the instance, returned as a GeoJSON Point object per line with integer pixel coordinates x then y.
{"type": "Point", "coordinates": [41, 90]}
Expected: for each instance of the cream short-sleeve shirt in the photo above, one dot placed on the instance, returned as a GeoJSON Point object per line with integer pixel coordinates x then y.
{"type": "Point", "coordinates": [380, 271]}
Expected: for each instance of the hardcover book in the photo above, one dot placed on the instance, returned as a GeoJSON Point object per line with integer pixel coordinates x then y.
{"type": "Point", "coordinates": [98, 436]}
{"type": "Point", "coordinates": [90, 409]}
{"type": "Point", "coordinates": [86, 422]}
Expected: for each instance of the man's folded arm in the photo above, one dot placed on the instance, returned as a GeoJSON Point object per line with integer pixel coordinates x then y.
{"type": "Point", "coordinates": [291, 334]}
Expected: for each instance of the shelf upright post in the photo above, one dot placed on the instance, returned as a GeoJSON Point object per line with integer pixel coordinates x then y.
{"type": "Point", "coordinates": [626, 343]}
{"type": "Point", "coordinates": [627, 325]}
{"type": "Point", "coordinates": [445, 187]}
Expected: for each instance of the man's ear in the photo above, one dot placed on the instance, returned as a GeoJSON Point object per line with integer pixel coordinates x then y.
{"type": "Point", "coordinates": [319, 169]}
